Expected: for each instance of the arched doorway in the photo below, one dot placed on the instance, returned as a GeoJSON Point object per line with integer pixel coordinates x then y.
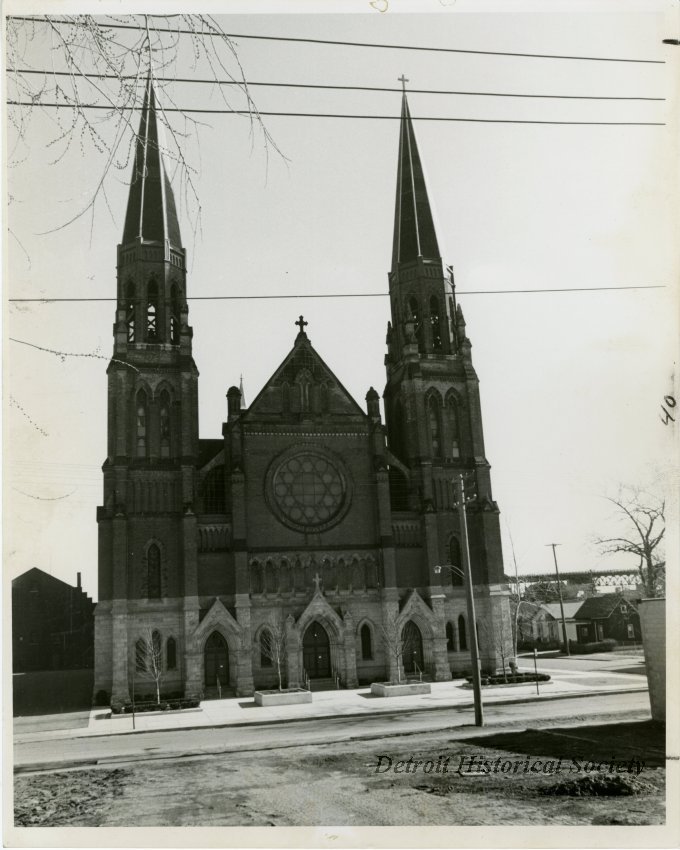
{"type": "Point", "coordinates": [316, 652]}
{"type": "Point", "coordinates": [216, 661]}
{"type": "Point", "coordinates": [412, 642]}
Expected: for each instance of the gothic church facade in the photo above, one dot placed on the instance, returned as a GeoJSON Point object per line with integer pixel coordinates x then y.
{"type": "Point", "coordinates": [310, 515]}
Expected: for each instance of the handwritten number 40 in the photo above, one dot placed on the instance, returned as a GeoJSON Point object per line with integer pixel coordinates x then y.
{"type": "Point", "coordinates": [671, 402]}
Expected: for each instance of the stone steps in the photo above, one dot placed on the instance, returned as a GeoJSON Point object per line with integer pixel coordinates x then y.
{"type": "Point", "coordinates": [322, 684]}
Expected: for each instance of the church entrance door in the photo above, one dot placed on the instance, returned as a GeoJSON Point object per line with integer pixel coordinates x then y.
{"type": "Point", "coordinates": [412, 642]}
{"type": "Point", "coordinates": [216, 661]}
{"type": "Point", "coordinates": [316, 652]}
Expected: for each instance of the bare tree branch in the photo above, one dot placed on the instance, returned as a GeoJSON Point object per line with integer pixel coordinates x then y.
{"type": "Point", "coordinates": [84, 51]}
{"type": "Point", "coordinates": [642, 513]}
{"type": "Point", "coordinates": [273, 643]}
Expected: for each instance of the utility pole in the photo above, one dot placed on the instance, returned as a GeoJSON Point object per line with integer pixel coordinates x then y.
{"type": "Point", "coordinates": [559, 590]}
{"type": "Point", "coordinates": [470, 599]}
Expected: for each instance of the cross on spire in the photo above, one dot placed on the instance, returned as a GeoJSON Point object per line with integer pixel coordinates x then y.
{"type": "Point", "coordinates": [403, 80]}
{"type": "Point", "coordinates": [302, 324]}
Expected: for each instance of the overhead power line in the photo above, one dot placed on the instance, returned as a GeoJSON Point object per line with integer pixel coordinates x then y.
{"type": "Point", "coordinates": [348, 116]}
{"type": "Point", "coordinates": [373, 45]}
{"type": "Point", "coordinates": [349, 294]}
{"type": "Point", "coordinates": [48, 72]}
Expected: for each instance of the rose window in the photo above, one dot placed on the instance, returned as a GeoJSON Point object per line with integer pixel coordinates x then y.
{"type": "Point", "coordinates": [307, 490]}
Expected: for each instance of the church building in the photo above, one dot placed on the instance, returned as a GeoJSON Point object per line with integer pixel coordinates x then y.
{"type": "Point", "coordinates": [310, 518]}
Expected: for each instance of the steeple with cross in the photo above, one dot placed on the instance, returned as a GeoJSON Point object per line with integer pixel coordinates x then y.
{"type": "Point", "coordinates": [302, 325]}
{"type": "Point", "coordinates": [403, 80]}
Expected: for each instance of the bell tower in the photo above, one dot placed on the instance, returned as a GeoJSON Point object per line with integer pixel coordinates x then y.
{"type": "Point", "coordinates": [432, 403]}
{"type": "Point", "coordinates": [147, 533]}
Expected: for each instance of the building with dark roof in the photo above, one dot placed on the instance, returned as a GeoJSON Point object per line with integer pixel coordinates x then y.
{"type": "Point", "coordinates": [310, 515]}
{"type": "Point", "coordinates": [52, 624]}
{"type": "Point", "coordinates": [606, 617]}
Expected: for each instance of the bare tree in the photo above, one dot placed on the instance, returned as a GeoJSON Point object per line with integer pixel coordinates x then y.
{"type": "Point", "coordinates": [149, 659]}
{"type": "Point", "coordinates": [642, 516]}
{"type": "Point", "coordinates": [273, 645]}
{"type": "Point", "coordinates": [542, 591]}
{"type": "Point", "coordinates": [498, 635]}
{"type": "Point", "coordinates": [87, 76]}
{"type": "Point", "coordinates": [398, 640]}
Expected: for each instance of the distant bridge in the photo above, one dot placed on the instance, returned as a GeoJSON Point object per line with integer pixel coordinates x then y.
{"type": "Point", "coordinates": [597, 578]}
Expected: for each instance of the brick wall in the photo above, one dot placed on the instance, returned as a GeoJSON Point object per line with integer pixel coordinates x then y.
{"type": "Point", "coordinates": [653, 620]}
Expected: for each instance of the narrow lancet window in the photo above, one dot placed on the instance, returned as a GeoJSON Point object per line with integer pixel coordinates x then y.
{"type": "Point", "coordinates": [435, 430]}
{"type": "Point", "coordinates": [165, 424]}
{"type": "Point", "coordinates": [152, 312]}
{"type": "Point", "coordinates": [153, 564]}
{"type": "Point", "coordinates": [171, 654]}
{"type": "Point", "coordinates": [366, 643]}
{"type": "Point", "coordinates": [454, 429]}
{"type": "Point", "coordinates": [141, 424]}
{"type": "Point", "coordinates": [435, 324]}
{"type": "Point", "coordinates": [174, 315]}
{"type": "Point", "coordinates": [130, 311]}
{"type": "Point", "coordinates": [462, 637]}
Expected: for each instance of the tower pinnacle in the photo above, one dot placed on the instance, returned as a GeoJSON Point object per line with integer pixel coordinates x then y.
{"type": "Point", "coordinates": [414, 234]}
{"type": "Point", "coordinates": [151, 213]}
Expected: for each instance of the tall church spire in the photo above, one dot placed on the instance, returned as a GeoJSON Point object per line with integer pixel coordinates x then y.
{"type": "Point", "coordinates": [151, 213]}
{"type": "Point", "coordinates": [414, 234]}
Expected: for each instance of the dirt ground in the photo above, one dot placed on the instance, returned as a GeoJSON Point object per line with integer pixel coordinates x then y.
{"type": "Point", "coordinates": [605, 774]}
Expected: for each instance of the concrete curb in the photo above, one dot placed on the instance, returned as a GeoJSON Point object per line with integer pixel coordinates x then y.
{"type": "Point", "coordinates": [387, 713]}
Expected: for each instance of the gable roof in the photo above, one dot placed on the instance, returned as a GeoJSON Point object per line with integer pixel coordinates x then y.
{"type": "Point", "coordinates": [600, 607]}
{"type": "Point", "coordinates": [303, 355]}
{"type": "Point", "coordinates": [571, 609]}
{"type": "Point", "coordinates": [36, 574]}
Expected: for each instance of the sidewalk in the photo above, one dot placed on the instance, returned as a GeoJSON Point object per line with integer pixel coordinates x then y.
{"type": "Point", "coordinates": [243, 711]}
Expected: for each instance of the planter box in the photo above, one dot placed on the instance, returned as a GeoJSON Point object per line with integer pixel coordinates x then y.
{"type": "Point", "coordinates": [288, 696]}
{"type": "Point", "coordinates": [385, 689]}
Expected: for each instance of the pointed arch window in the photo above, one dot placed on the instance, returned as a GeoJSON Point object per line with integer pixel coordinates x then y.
{"type": "Point", "coordinates": [413, 309]}
{"type": "Point", "coordinates": [285, 397]}
{"type": "Point", "coordinates": [462, 635]}
{"type": "Point", "coordinates": [213, 491]}
{"type": "Point", "coordinates": [130, 311]}
{"type": "Point", "coordinates": [456, 559]}
{"type": "Point", "coordinates": [271, 578]}
{"type": "Point", "coordinates": [435, 425]}
{"type": "Point", "coordinates": [265, 648]}
{"type": "Point", "coordinates": [366, 643]}
{"type": "Point", "coordinates": [395, 432]}
{"type": "Point", "coordinates": [256, 578]}
{"type": "Point", "coordinates": [165, 424]}
{"type": "Point", "coordinates": [140, 655]}
{"type": "Point", "coordinates": [453, 425]}
{"type": "Point", "coordinates": [323, 398]}
{"type": "Point", "coordinates": [398, 489]}
{"type": "Point", "coordinates": [304, 382]}
{"type": "Point", "coordinates": [141, 423]}
{"type": "Point", "coordinates": [152, 312]}
{"type": "Point", "coordinates": [174, 315]}
{"type": "Point", "coordinates": [435, 323]}
{"type": "Point", "coordinates": [153, 570]}
{"type": "Point", "coordinates": [450, 644]}
{"type": "Point", "coordinates": [171, 654]}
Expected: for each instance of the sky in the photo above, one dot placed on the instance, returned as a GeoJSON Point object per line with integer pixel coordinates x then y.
{"type": "Point", "coordinates": [571, 382]}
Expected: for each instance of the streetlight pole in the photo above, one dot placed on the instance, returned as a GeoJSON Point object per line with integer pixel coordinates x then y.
{"type": "Point", "coordinates": [559, 590]}
{"type": "Point", "coordinates": [470, 599]}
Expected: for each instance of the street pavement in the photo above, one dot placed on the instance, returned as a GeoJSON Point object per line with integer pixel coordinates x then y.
{"type": "Point", "coordinates": [202, 742]}
{"type": "Point", "coordinates": [575, 677]}
{"type": "Point", "coordinates": [243, 711]}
